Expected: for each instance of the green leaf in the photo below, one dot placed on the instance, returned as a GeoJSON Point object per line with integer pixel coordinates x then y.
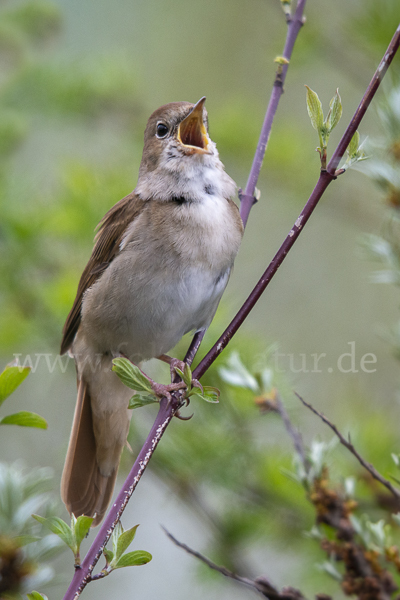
{"type": "Point", "coordinates": [81, 528]}
{"type": "Point", "coordinates": [354, 144]}
{"type": "Point", "coordinates": [108, 555]}
{"type": "Point", "coordinates": [335, 111]}
{"type": "Point", "coordinates": [10, 379]}
{"type": "Point", "coordinates": [134, 559]}
{"type": "Point", "coordinates": [210, 394]}
{"type": "Point", "coordinates": [139, 400]}
{"type": "Point", "coordinates": [118, 530]}
{"type": "Point", "coordinates": [314, 109]}
{"type": "Point", "coordinates": [25, 418]}
{"type": "Point", "coordinates": [286, 7]}
{"type": "Point", "coordinates": [60, 528]}
{"type": "Point", "coordinates": [131, 375]}
{"type": "Point", "coordinates": [124, 541]}
{"type": "Point", "coordinates": [355, 153]}
{"type": "Point", "coordinates": [185, 375]}
{"type": "Point", "coordinates": [36, 596]}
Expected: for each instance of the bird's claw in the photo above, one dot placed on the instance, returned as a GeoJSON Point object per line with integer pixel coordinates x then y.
{"type": "Point", "coordinates": [176, 363]}
{"type": "Point", "coordinates": [179, 416]}
{"type": "Point", "coordinates": [161, 390]}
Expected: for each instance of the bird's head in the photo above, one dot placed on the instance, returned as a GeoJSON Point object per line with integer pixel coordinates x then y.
{"type": "Point", "coordinates": [176, 131]}
{"type": "Point", "coordinates": [180, 126]}
{"type": "Point", "coordinates": [177, 152]}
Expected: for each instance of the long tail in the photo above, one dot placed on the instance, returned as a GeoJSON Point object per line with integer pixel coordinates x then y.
{"type": "Point", "coordinates": [84, 489]}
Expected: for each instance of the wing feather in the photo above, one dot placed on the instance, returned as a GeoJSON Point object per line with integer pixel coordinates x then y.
{"type": "Point", "coordinates": [110, 234]}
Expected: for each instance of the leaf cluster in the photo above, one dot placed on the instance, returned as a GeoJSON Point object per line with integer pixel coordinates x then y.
{"type": "Point", "coordinates": [221, 463]}
{"type": "Point", "coordinates": [10, 379]}
{"type": "Point", "coordinates": [73, 535]}
{"type": "Point", "coordinates": [117, 558]}
{"type": "Point", "coordinates": [135, 379]}
{"type": "Point", "coordinates": [323, 126]}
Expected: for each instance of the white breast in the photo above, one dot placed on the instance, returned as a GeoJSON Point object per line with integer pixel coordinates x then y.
{"type": "Point", "coordinates": [173, 267]}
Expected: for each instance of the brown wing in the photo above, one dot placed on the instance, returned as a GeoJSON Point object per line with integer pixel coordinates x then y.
{"type": "Point", "coordinates": [107, 241]}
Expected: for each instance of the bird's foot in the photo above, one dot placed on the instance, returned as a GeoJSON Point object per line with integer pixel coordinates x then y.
{"type": "Point", "coordinates": [172, 362]}
{"type": "Point", "coordinates": [185, 369]}
{"type": "Point", "coordinates": [161, 390]}
{"type": "Point", "coordinates": [158, 389]}
{"type": "Point", "coordinates": [182, 369]}
{"type": "Point", "coordinates": [179, 370]}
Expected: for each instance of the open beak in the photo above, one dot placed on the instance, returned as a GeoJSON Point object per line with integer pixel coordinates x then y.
{"type": "Point", "coordinates": [191, 132]}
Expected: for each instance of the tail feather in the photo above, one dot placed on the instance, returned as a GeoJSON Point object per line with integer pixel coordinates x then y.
{"type": "Point", "coordinates": [84, 490]}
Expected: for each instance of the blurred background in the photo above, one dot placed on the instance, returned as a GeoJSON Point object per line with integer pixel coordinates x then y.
{"type": "Point", "coordinates": [78, 81]}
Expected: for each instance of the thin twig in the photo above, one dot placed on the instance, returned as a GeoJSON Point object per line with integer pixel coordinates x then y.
{"type": "Point", "coordinates": [247, 198]}
{"type": "Point", "coordinates": [223, 570]}
{"type": "Point", "coordinates": [293, 432]}
{"type": "Point", "coordinates": [260, 584]}
{"type": "Point", "coordinates": [347, 443]}
{"type": "Point", "coordinates": [98, 576]}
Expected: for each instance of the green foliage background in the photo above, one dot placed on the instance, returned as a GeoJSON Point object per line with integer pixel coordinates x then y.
{"type": "Point", "coordinates": [77, 84]}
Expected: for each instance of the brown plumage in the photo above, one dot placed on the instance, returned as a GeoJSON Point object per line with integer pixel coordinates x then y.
{"type": "Point", "coordinates": [112, 228]}
{"type": "Point", "coordinates": [160, 263]}
{"type": "Point", "coordinates": [84, 490]}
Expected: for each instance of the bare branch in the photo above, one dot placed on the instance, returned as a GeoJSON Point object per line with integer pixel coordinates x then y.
{"type": "Point", "coordinates": [347, 443]}
{"type": "Point", "coordinates": [273, 402]}
{"type": "Point", "coordinates": [98, 576]}
{"type": "Point", "coordinates": [260, 584]}
{"type": "Point", "coordinates": [247, 197]}
{"type": "Point", "coordinates": [293, 432]}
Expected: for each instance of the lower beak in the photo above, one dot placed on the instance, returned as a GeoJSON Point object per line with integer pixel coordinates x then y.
{"type": "Point", "coordinates": [191, 132]}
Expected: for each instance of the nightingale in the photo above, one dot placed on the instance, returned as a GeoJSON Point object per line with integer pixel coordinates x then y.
{"type": "Point", "coordinates": [161, 260]}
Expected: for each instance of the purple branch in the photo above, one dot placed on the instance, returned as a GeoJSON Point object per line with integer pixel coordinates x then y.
{"type": "Point", "coordinates": [325, 178]}
{"type": "Point", "coordinates": [323, 182]}
{"type": "Point", "coordinates": [82, 575]}
{"type": "Point", "coordinates": [247, 198]}
{"type": "Point", "coordinates": [365, 102]}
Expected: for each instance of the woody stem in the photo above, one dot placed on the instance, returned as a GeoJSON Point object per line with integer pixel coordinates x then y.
{"type": "Point", "coordinates": [325, 178]}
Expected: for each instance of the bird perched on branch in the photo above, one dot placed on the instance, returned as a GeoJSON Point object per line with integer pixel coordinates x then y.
{"type": "Point", "coordinates": [160, 263]}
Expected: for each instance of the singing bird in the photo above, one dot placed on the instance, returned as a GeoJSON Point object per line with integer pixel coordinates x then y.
{"type": "Point", "coordinates": [161, 261]}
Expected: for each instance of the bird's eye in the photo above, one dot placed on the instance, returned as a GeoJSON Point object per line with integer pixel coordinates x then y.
{"type": "Point", "coordinates": [162, 130]}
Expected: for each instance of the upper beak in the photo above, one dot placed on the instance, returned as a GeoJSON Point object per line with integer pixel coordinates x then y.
{"type": "Point", "coordinates": [191, 132]}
